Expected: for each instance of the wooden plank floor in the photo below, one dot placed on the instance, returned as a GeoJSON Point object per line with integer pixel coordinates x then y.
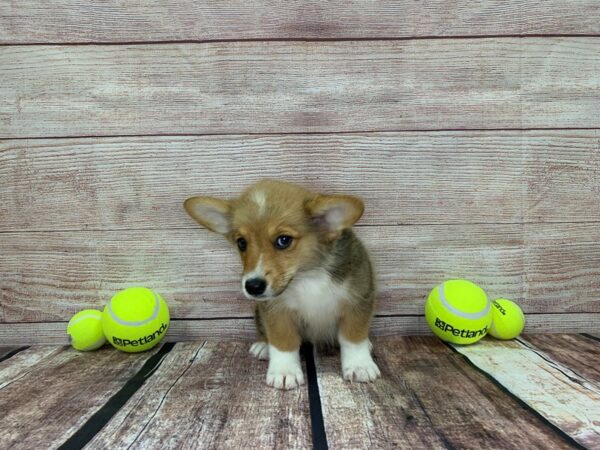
{"type": "Point", "coordinates": [540, 391]}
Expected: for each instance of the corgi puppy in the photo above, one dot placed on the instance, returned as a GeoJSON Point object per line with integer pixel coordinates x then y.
{"type": "Point", "coordinates": [310, 276]}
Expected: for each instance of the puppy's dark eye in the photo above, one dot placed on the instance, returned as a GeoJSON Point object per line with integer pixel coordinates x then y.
{"type": "Point", "coordinates": [242, 244]}
{"type": "Point", "coordinates": [283, 242]}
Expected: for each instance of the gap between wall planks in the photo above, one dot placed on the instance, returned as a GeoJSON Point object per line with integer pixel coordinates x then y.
{"type": "Point", "coordinates": [266, 87]}
{"type": "Point", "coordinates": [71, 21]}
{"type": "Point", "coordinates": [547, 268]}
{"type": "Point", "coordinates": [404, 178]}
{"type": "Point", "coordinates": [244, 328]}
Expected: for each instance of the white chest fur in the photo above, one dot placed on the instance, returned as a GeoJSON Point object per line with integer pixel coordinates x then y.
{"type": "Point", "coordinates": [316, 299]}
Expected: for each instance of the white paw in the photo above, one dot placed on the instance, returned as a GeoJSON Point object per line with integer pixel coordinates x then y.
{"type": "Point", "coordinates": [363, 373]}
{"type": "Point", "coordinates": [285, 371]}
{"type": "Point", "coordinates": [357, 363]}
{"type": "Point", "coordinates": [260, 350]}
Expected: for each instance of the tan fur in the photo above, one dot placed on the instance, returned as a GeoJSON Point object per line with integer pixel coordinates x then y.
{"type": "Point", "coordinates": [355, 323]}
{"type": "Point", "coordinates": [323, 243]}
{"type": "Point", "coordinates": [281, 329]}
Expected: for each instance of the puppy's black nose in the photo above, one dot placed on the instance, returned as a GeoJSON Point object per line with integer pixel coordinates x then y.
{"type": "Point", "coordinates": [255, 286]}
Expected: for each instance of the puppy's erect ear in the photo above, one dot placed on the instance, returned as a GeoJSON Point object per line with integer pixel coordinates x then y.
{"type": "Point", "coordinates": [212, 213]}
{"type": "Point", "coordinates": [335, 213]}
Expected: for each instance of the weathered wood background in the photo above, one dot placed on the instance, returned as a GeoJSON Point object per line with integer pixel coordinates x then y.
{"type": "Point", "coordinates": [471, 129]}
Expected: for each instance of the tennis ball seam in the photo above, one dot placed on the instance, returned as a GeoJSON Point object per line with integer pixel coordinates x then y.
{"type": "Point", "coordinates": [99, 343]}
{"type": "Point", "coordinates": [472, 316]}
{"type": "Point", "coordinates": [129, 323]}
{"type": "Point", "coordinates": [493, 330]}
{"type": "Point", "coordinates": [87, 316]}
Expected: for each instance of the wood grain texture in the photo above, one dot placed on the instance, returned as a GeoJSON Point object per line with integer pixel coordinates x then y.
{"type": "Point", "coordinates": [428, 397]}
{"type": "Point", "coordinates": [404, 178]}
{"type": "Point", "coordinates": [576, 352]}
{"type": "Point", "coordinates": [117, 21]}
{"type": "Point", "coordinates": [179, 330]}
{"type": "Point", "coordinates": [49, 276]}
{"type": "Point", "coordinates": [52, 399]}
{"type": "Point", "coordinates": [210, 395]}
{"type": "Point", "coordinates": [559, 394]}
{"type": "Point", "coordinates": [22, 363]}
{"type": "Point", "coordinates": [243, 328]}
{"type": "Point", "coordinates": [278, 87]}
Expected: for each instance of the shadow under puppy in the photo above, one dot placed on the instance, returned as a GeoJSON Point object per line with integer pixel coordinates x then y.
{"type": "Point", "coordinates": [309, 274]}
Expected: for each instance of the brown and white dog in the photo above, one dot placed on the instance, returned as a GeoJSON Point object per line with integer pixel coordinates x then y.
{"type": "Point", "coordinates": [309, 274]}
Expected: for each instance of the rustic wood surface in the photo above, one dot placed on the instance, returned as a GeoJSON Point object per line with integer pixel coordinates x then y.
{"type": "Point", "coordinates": [563, 397]}
{"type": "Point", "coordinates": [243, 328]}
{"type": "Point", "coordinates": [210, 395]}
{"type": "Point", "coordinates": [579, 353]}
{"type": "Point", "coordinates": [30, 21]}
{"type": "Point", "coordinates": [48, 276]}
{"type": "Point", "coordinates": [47, 402]}
{"type": "Point", "coordinates": [428, 397]}
{"type": "Point", "coordinates": [258, 87]}
{"type": "Point", "coordinates": [405, 178]}
{"type": "Point", "coordinates": [21, 364]}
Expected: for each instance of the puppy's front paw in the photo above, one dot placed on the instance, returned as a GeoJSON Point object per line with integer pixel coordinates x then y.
{"type": "Point", "coordinates": [289, 378]}
{"type": "Point", "coordinates": [357, 363]}
{"type": "Point", "coordinates": [285, 371]}
{"type": "Point", "coordinates": [363, 372]}
{"type": "Point", "coordinates": [260, 350]}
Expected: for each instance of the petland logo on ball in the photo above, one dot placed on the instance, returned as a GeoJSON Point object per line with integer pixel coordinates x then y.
{"type": "Point", "coordinates": [457, 331]}
{"type": "Point", "coordinates": [499, 307]}
{"type": "Point", "coordinates": [141, 341]}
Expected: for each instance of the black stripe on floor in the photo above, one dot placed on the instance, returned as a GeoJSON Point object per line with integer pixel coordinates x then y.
{"type": "Point", "coordinates": [12, 353]}
{"type": "Point", "coordinates": [523, 405]}
{"type": "Point", "coordinates": [319, 438]}
{"type": "Point", "coordinates": [101, 417]}
{"type": "Point", "coordinates": [589, 336]}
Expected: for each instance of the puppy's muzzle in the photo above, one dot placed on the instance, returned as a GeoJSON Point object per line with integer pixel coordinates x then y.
{"type": "Point", "coordinates": [255, 286]}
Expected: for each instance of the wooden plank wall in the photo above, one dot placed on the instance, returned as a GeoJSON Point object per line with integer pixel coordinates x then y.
{"type": "Point", "coordinates": [471, 129]}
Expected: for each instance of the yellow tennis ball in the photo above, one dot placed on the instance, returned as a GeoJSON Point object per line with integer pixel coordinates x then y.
{"type": "Point", "coordinates": [458, 311]}
{"type": "Point", "coordinates": [135, 319]}
{"type": "Point", "coordinates": [508, 320]}
{"type": "Point", "coordinates": [85, 330]}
